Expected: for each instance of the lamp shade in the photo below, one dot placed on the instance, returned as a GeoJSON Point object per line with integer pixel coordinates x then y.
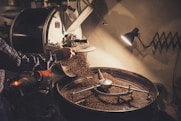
{"type": "Point", "coordinates": [129, 37]}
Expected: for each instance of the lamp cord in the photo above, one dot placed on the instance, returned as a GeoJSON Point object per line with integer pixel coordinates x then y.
{"type": "Point", "coordinates": [174, 70]}
{"type": "Point", "coordinates": [164, 41]}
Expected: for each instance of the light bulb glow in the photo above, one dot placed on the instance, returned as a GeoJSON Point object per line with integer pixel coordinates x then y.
{"type": "Point", "coordinates": [126, 40]}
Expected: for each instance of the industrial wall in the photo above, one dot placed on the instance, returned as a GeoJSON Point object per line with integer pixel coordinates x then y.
{"type": "Point", "coordinates": [111, 18]}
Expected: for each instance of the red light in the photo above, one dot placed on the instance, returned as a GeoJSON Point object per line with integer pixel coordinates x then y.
{"type": "Point", "coordinates": [16, 83]}
{"type": "Point", "coordinates": [45, 73]}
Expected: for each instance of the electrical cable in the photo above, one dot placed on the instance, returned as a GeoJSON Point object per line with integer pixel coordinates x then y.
{"type": "Point", "coordinates": [174, 71]}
